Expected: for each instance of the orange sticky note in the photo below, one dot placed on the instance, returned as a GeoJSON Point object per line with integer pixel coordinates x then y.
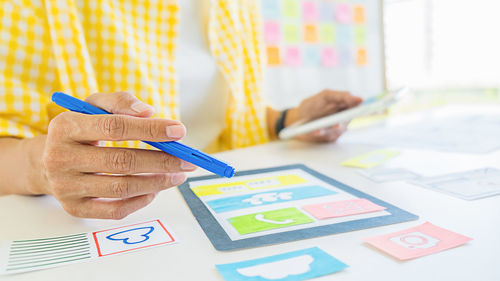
{"type": "Point", "coordinates": [359, 14]}
{"type": "Point", "coordinates": [310, 33]}
{"type": "Point", "coordinates": [273, 55]}
{"type": "Point", "coordinates": [361, 57]}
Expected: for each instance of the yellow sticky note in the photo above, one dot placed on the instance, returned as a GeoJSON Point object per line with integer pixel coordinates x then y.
{"type": "Point", "coordinates": [371, 159]}
{"type": "Point", "coordinates": [360, 35]}
{"type": "Point", "coordinates": [327, 33]}
{"type": "Point", "coordinates": [291, 33]}
{"type": "Point", "coordinates": [248, 185]}
{"type": "Point", "coordinates": [291, 8]}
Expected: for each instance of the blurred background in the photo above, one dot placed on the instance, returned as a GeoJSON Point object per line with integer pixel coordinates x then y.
{"type": "Point", "coordinates": [446, 51]}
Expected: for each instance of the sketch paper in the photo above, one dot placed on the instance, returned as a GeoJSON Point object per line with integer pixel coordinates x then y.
{"type": "Point", "coordinates": [34, 254]}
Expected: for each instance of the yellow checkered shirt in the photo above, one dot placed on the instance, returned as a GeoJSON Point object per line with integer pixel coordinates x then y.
{"type": "Point", "coordinates": [83, 47]}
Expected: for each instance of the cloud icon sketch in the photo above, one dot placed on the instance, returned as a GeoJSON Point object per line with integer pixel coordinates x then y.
{"type": "Point", "coordinates": [132, 236]}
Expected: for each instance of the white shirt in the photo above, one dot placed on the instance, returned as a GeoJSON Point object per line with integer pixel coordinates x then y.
{"type": "Point", "coordinates": [203, 91]}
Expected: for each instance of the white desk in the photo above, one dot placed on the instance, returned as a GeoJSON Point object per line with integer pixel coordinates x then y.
{"type": "Point", "coordinates": [193, 258]}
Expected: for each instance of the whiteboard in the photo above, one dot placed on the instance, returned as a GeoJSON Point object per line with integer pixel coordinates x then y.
{"type": "Point", "coordinates": [297, 76]}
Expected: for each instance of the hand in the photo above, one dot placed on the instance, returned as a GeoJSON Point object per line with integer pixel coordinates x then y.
{"type": "Point", "coordinates": [324, 103]}
{"type": "Point", "coordinates": [103, 182]}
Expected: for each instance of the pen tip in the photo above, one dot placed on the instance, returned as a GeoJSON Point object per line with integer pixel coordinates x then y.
{"type": "Point", "coordinates": [229, 172]}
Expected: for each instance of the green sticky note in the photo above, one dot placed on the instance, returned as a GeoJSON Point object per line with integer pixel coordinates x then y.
{"type": "Point", "coordinates": [269, 220]}
{"type": "Point", "coordinates": [327, 33]}
{"type": "Point", "coordinates": [291, 8]}
{"type": "Point", "coordinates": [359, 35]}
{"type": "Point", "coordinates": [291, 33]}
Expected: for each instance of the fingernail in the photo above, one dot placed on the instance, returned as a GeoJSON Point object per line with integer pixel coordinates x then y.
{"type": "Point", "coordinates": [139, 107]}
{"type": "Point", "coordinates": [187, 166]}
{"type": "Point", "coordinates": [178, 178]}
{"type": "Point", "coordinates": [176, 131]}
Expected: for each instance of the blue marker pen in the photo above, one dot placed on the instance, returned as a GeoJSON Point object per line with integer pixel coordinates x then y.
{"type": "Point", "coordinates": [173, 148]}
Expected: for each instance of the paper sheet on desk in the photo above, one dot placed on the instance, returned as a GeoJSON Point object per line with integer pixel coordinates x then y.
{"type": "Point", "coordinates": [468, 185]}
{"type": "Point", "coordinates": [465, 134]}
{"type": "Point", "coordinates": [292, 266]}
{"type": "Point", "coordinates": [34, 254]}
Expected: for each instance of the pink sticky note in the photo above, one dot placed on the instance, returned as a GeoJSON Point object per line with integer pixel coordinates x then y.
{"type": "Point", "coordinates": [309, 10]}
{"type": "Point", "coordinates": [329, 57]}
{"type": "Point", "coordinates": [417, 241]}
{"type": "Point", "coordinates": [342, 208]}
{"type": "Point", "coordinates": [272, 32]}
{"type": "Point", "coordinates": [343, 13]}
{"type": "Point", "coordinates": [292, 56]}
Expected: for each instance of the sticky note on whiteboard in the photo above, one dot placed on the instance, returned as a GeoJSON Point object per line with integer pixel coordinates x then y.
{"type": "Point", "coordinates": [360, 35]}
{"type": "Point", "coordinates": [271, 9]}
{"type": "Point", "coordinates": [291, 9]}
{"type": "Point", "coordinates": [292, 56]}
{"type": "Point", "coordinates": [361, 57]}
{"type": "Point", "coordinates": [326, 11]}
{"type": "Point", "coordinates": [273, 55]}
{"type": "Point", "coordinates": [310, 33]}
{"type": "Point", "coordinates": [311, 55]}
{"type": "Point", "coordinates": [359, 14]}
{"type": "Point", "coordinates": [343, 13]}
{"type": "Point", "coordinates": [272, 32]}
{"type": "Point", "coordinates": [309, 11]}
{"type": "Point", "coordinates": [329, 57]}
{"type": "Point", "coordinates": [327, 33]}
{"type": "Point", "coordinates": [291, 33]}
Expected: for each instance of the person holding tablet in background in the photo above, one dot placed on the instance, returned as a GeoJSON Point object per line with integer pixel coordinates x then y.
{"type": "Point", "coordinates": [199, 62]}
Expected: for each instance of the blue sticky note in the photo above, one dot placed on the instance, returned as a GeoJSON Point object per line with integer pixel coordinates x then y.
{"type": "Point", "coordinates": [267, 197]}
{"type": "Point", "coordinates": [271, 9]}
{"type": "Point", "coordinates": [311, 55]}
{"type": "Point", "coordinates": [344, 35]}
{"type": "Point", "coordinates": [345, 56]}
{"type": "Point", "coordinates": [326, 11]}
{"type": "Point", "coordinates": [292, 266]}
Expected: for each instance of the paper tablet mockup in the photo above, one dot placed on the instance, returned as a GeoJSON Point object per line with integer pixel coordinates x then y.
{"type": "Point", "coordinates": [281, 204]}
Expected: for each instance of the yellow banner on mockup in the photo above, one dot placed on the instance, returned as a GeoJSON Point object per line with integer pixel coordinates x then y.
{"type": "Point", "coordinates": [253, 184]}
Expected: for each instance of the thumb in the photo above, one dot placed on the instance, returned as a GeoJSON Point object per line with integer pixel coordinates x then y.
{"type": "Point", "coordinates": [121, 103]}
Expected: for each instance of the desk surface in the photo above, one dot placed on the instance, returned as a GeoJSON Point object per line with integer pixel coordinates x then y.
{"type": "Point", "coordinates": [194, 258]}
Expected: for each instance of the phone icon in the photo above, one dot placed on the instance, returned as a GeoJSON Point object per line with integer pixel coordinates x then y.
{"type": "Point", "coordinates": [260, 217]}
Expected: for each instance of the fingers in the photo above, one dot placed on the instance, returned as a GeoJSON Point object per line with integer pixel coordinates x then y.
{"type": "Point", "coordinates": [126, 161]}
{"type": "Point", "coordinates": [121, 103]}
{"type": "Point", "coordinates": [87, 128]}
{"type": "Point", "coordinates": [108, 186]}
{"type": "Point", "coordinates": [342, 99]}
{"type": "Point", "coordinates": [330, 134]}
{"type": "Point", "coordinates": [107, 209]}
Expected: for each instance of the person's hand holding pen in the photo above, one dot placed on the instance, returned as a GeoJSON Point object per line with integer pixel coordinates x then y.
{"type": "Point", "coordinates": [103, 182]}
